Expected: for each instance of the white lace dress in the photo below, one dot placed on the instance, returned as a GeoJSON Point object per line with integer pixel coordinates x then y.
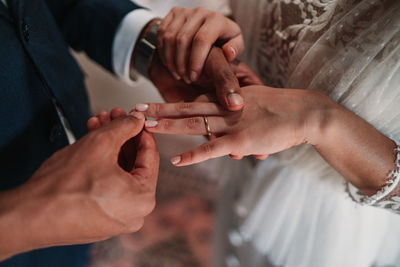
{"type": "Point", "coordinates": [294, 209]}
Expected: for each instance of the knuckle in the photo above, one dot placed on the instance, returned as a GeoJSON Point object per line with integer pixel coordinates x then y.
{"type": "Point", "coordinates": [182, 39]}
{"type": "Point", "coordinates": [177, 9]}
{"type": "Point", "coordinates": [156, 108]}
{"type": "Point", "coordinates": [161, 30]}
{"type": "Point", "coordinates": [165, 124]}
{"type": "Point", "coordinates": [192, 123]}
{"type": "Point", "coordinates": [206, 148]}
{"type": "Point", "coordinates": [213, 15]}
{"type": "Point", "coordinates": [183, 108]}
{"type": "Point", "coordinates": [169, 37]}
{"type": "Point", "coordinates": [199, 9]}
{"type": "Point", "coordinates": [201, 38]}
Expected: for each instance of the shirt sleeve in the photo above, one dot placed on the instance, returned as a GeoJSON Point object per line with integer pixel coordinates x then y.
{"type": "Point", "coordinates": [125, 39]}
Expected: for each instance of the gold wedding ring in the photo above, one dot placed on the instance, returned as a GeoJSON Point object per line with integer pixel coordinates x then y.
{"type": "Point", "coordinates": [208, 129]}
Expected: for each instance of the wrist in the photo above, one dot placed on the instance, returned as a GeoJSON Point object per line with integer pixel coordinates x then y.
{"type": "Point", "coordinates": [322, 114]}
{"type": "Point", "coordinates": [142, 35]}
{"type": "Point", "coordinates": [19, 214]}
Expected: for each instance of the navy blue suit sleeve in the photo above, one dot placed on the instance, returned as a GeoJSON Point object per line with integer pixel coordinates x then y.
{"type": "Point", "coordinates": [90, 25]}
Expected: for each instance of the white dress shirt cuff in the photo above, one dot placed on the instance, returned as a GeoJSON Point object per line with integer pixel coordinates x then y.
{"type": "Point", "coordinates": [125, 39]}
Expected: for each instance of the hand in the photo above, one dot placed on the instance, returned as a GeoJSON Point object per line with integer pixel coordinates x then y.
{"type": "Point", "coordinates": [185, 38]}
{"type": "Point", "coordinates": [218, 77]}
{"type": "Point", "coordinates": [272, 120]}
{"type": "Point", "coordinates": [81, 194]}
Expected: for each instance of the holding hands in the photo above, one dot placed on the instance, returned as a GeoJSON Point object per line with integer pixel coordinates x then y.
{"type": "Point", "coordinates": [272, 120]}
{"type": "Point", "coordinates": [185, 38]}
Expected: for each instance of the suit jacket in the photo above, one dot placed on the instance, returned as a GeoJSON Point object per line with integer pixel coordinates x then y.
{"type": "Point", "coordinates": [36, 66]}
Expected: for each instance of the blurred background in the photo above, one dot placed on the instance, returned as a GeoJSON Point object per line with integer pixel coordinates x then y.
{"type": "Point", "coordinates": [179, 231]}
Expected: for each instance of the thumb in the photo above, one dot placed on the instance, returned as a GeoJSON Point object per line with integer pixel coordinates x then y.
{"type": "Point", "coordinates": [124, 128]}
{"type": "Point", "coordinates": [224, 80]}
{"type": "Point", "coordinates": [233, 48]}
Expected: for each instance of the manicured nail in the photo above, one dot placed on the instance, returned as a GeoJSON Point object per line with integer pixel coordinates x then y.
{"type": "Point", "coordinates": [176, 160]}
{"type": "Point", "coordinates": [176, 76]}
{"type": "Point", "coordinates": [233, 50]}
{"type": "Point", "coordinates": [235, 99]}
{"type": "Point", "coordinates": [137, 115]}
{"type": "Point", "coordinates": [151, 124]}
{"type": "Point", "coordinates": [141, 107]}
{"type": "Point", "coordinates": [193, 76]}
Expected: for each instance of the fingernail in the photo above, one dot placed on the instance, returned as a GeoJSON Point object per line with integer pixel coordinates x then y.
{"type": "Point", "coordinates": [176, 160]}
{"type": "Point", "coordinates": [141, 107]}
{"type": "Point", "coordinates": [151, 124]}
{"type": "Point", "coordinates": [193, 76]}
{"type": "Point", "coordinates": [187, 80]}
{"type": "Point", "coordinates": [233, 51]}
{"type": "Point", "coordinates": [235, 99]}
{"type": "Point", "coordinates": [176, 76]}
{"type": "Point", "coordinates": [137, 115]}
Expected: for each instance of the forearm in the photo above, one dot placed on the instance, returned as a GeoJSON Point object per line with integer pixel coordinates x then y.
{"type": "Point", "coordinates": [353, 147]}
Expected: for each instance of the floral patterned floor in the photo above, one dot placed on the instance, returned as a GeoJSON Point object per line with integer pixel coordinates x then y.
{"type": "Point", "coordinates": [178, 232]}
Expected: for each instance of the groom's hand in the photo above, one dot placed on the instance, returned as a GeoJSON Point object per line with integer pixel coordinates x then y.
{"type": "Point", "coordinates": [218, 76]}
{"type": "Point", "coordinates": [81, 194]}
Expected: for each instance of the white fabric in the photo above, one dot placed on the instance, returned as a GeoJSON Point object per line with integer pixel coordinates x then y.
{"type": "Point", "coordinates": [162, 7]}
{"type": "Point", "coordinates": [125, 39]}
{"type": "Point", "coordinates": [295, 210]}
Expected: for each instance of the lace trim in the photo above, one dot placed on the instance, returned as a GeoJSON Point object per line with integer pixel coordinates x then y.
{"type": "Point", "coordinates": [382, 198]}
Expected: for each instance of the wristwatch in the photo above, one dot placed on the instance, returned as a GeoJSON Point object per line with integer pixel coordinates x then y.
{"type": "Point", "coordinates": [145, 52]}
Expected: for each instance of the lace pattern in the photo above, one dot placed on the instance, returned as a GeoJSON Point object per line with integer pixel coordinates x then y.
{"type": "Point", "coordinates": [385, 198]}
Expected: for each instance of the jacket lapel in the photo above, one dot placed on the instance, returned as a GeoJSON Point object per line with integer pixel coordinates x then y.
{"type": "Point", "coordinates": [4, 12]}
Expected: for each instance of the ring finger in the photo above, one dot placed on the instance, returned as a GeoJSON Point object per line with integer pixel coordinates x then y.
{"type": "Point", "coordinates": [188, 126]}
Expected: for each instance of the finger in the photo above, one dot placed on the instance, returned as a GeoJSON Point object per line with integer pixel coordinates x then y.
{"type": "Point", "coordinates": [104, 117]}
{"type": "Point", "coordinates": [162, 29]}
{"type": "Point", "coordinates": [261, 157]}
{"type": "Point", "coordinates": [233, 48]}
{"type": "Point", "coordinates": [237, 157]}
{"type": "Point", "coordinates": [225, 82]}
{"type": "Point", "coordinates": [187, 126]}
{"type": "Point", "coordinates": [122, 129]}
{"type": "Point", "coordinates": [206, 98]}
{"type": "Point", "coordinates": [184, 41]}
{"type": "Point", "coordinates": [215, 148]}
{"type": "Point", "coordinates": [216, 27]}
{"type": "Point", "coordinates": [176, 110]}
{"type": "Point", "coordinates": [93, 124]}
{"type": "Point", "coordinates": [169, 44]}
{"type": "Point", "coordinates": [116, 113]}
{"type": "Point", "coordinates": [147, 159]}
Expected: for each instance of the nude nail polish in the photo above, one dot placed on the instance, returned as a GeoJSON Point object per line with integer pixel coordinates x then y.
{"type": "Point", "coordinates": [235, 99]}
{"type": "Point", "coordinates": [193, 76]}
{"type": "Point", "coordinates": [176, 76]}
{"type": "Point", "coordinates": [151, 124]}
{"type": "Point", "coordinates": [176, 160]}
{"type": "Point", "coordinates": [233, 51]}
{"type": "Point", "coordinates": [141, 107]}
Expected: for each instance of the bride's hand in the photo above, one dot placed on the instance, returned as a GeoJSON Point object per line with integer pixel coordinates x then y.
{"type": "Point", "coordinates": [186, 36]}
{"type": "Point", "coordinates": [271, 121]}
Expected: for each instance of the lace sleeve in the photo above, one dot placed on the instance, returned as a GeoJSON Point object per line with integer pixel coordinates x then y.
{"type": "Point", "coordinates": [388, 197]}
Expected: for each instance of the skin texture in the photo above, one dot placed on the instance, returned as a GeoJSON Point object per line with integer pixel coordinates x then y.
{"type": "Point", "coordinates": [186, 36]}
{"type": "Point", "coordinates": [104, 184]}
{"type": "Point", "coordinates": [218, 76]}
{"type": "Point", "coordinates": [85, 192]}
{"type": "Point", "coordinates": [274, 120]}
